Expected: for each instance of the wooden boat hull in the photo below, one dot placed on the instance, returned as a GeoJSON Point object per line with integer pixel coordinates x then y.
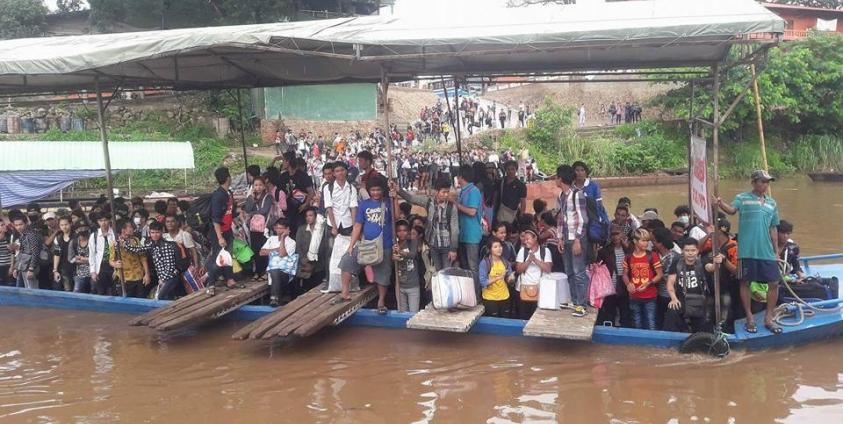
{"type": "Point", "coordinates": [835, 177]}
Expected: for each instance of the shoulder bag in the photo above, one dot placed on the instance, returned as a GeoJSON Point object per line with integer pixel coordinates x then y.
{"type": "Point", "coordinates": [370, 252]}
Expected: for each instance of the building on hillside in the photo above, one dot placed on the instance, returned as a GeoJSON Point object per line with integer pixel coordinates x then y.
{"type": "Point", "coordinates": [801, 19]}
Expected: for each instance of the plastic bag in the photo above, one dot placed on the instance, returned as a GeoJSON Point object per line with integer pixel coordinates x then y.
{"type": "Point", "coordinates": [601, 284]}
{"type": "Point", "coordinates": [224, 258]}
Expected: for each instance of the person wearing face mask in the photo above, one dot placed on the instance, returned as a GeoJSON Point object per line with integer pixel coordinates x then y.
{"type": "Point", "coordinates": [140, 218]}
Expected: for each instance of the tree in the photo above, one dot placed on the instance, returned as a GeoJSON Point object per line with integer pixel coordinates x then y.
{"type": "Point", "coordinates": [799, 86]}
{"type": "Point", "coordinates": [825, 4]}
{"type": "Point", "coordinates": [22, 18]}
{"type": "Point", "coordinates": [67, 6]}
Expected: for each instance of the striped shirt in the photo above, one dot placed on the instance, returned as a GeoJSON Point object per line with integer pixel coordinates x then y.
{"type": "Point", "coordinates": [5, 255]}
{"type": "Point", "coordinates": [573, 215]}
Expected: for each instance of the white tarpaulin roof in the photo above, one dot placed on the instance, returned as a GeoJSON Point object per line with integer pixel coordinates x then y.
{"type": "Point", "coordinates": [618, 35]}
{"type": "Point", "coordinates": [21, 156]}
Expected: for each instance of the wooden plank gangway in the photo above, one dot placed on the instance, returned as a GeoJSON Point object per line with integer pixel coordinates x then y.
{"type": "Point", "coordinates": [560, 324]}
{"type": "Point", "coordinates": [456, 321]}
{"type": "Point", "coordinates": [306, 315]}
{"type": "Point", "coordinates": [200, 307]}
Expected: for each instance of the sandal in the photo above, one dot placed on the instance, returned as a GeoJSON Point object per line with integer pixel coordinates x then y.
{"type": "Point", "coordinates": [339, 299]}
{"type": "Point", "coordinates": [381, 310]}
{"type": "Point", "coordinates": [750, 327]}
{"type": "Point", "coordinates": [773, 328]}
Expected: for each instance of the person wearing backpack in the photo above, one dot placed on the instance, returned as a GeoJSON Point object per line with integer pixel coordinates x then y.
{"type": "Point", "coordinates": [257, 208]}
{"type": "Point", "coordinates": [134, 266]}
{"type": "Point", "coordinates": [642, 270]}
{"type": "Point", "coordinates": [572, 223]}
{"type": "Point", "coordinates": [442, 231]}
{"type": "Point", "coordinates": [688, 288]}
{"type": "Point", "coordinates": [533, 261]}
{"type": "Point", "coordinates": [469, 204]}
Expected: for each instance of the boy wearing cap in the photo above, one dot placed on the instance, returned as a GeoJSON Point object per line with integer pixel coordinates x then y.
{"type": "Point", "coordinates": [757, 245]}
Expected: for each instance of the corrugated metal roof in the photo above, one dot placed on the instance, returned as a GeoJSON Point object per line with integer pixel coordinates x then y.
{"type": "Point", "coordinates": [88, 155]}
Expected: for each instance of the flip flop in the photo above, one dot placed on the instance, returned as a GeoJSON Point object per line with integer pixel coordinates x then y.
{"type": "Point", "coordinates": [339, 299]}
{"type": "Point", "coordinates": [775, 329]}
{"type": "Point", "coordinates": [381, 310]}
{"type": "Point", "coordinates": [751, 327]}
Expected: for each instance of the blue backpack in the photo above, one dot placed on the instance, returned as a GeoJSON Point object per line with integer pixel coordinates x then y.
{"type": "Point", "coordinates": [599, 225]}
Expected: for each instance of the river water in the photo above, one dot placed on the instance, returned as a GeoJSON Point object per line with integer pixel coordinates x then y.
{"type": "Point", "coordinates": [75, 367]}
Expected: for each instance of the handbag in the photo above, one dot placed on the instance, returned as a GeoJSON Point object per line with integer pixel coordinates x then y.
{"type": "Point", "coordinates": [370, 252]}
{"type": "Point", "coordinates": [529, 292]}
{"type": "Point", "coordinates": [601, 284]}
{"type": "Point", "coordinates": [289, 264]}
{"type": "Point", "coordinates": [694, 305]}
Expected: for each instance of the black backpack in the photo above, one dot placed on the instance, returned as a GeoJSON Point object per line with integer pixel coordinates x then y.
{"type": "Point", "coordinates": [199, 214]}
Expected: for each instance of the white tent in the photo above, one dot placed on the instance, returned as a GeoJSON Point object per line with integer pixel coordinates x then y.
{"type": "Point", "coordinates": [618, 35]}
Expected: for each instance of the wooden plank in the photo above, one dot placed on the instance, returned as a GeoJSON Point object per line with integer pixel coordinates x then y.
{"type": "Point", "coordinates": [559, 324]}
{"type": "Point", "coordinates": [176, 304]}
{"type": "Point", "coordinates": [256, 328]}
{"type": "Point", "coordinates": [459, 321]}
{"type": "Point", "coordinates": [336, 314]}
{"type": "Point", "coordinates": [312, 311]}
{"type": "Point", "coordinates": [216, 308]}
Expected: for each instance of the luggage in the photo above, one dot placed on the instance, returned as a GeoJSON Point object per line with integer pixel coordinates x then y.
{"type": "Point", "coordinates": [554, 290]}
{"type": "Point", "coordinates": [193, 280]}
{"type": "Point", "coordinates": [453, 288]}
{"type": "Point", "coordinates": [812, 289]}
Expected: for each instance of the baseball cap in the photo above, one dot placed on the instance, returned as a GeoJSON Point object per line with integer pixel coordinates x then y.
{"type": "Point", "coordinates": [649, 216]}
{"type": "Point", "coordinates": [761, 174]}
{"type": "Point", "coordinates": [724, 225]}
{"type": "Point", "coordinates": [49, 215]}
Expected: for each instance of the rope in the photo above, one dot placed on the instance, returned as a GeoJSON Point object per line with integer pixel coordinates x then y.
{"type": "Point", "coordinates": [803, 309]}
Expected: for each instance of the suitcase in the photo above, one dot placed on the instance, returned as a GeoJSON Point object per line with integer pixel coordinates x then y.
{"type": "Point", "coordinates": [453, 288]}
{"type": "Point", "coordinates": [553, 290]}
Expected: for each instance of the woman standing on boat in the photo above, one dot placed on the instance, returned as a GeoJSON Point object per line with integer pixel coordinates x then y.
{"type": "Point", "coordinates": [495, 275]}
{"type": "Point", "coordinates": [257, 209]}
{"type": "Point", "coordinates": [77, 254]}
{"type": "Point", "coordinates": [63, 269]}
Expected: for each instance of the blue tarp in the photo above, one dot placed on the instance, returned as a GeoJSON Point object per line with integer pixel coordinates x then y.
{"type": "Point", "coordinates": [21, 187]}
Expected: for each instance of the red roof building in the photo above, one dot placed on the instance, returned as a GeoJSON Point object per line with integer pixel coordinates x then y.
{"type": "Point", "coordinates": [801, 19]}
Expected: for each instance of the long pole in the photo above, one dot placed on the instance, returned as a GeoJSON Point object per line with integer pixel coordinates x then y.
{"type": "Point", "coordinates": [459, 132]}
{"type": "Point", "coordinates": [108, 179]}
{"type": "Point", "coordinates": [448, 103]}
{"type": "Point", "coordinates": [385, 101]}
{"type": "Point", "coordinates": [757, 96]}
{"type": "Point", "coordinates": [715, 246]}
{"type": "Point", "coordinates": [691, 123]}
{"type": "Point", "coordinates": [242, 130]}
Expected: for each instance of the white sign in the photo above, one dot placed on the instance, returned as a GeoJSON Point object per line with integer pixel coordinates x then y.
{"type": "Point", "coordinates": [699, 180]}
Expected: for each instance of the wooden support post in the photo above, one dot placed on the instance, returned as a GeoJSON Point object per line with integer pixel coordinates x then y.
{"type": "Point", "coordinates": [715, 246]}
{"type": "Point", "coordinates": [691, 133]}
{"type": "Point", "coordinates": [757, 96]}
{"type": "Point", "coordinates": [389, 174]}
{"type": "Point", "coordinates": [108, 178]}
{"type": "Point", "coordinates": [459, 131]}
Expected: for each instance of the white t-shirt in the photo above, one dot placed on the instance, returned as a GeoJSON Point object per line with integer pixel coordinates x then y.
{"type": "Point", "coordinates": [272, 244]}
{"type": "Point", "coordinates": [182, 237]}
{"type": "Point", "coordinates": [340, 200]}
{"type": "Point", "coordinates": [533, 273]}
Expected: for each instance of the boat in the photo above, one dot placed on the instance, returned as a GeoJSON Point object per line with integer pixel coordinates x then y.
{"type": "Point", "coordinates": [814, 328]}
{"type": "Point", "coordinates": [827, 177]}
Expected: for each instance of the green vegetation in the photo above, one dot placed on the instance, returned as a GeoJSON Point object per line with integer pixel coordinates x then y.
{"type": "Point", "coordinates": [22, 18]}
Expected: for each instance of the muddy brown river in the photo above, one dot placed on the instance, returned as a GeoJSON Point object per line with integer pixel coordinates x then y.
{"type": "Point", "coordinates": [76, 367]}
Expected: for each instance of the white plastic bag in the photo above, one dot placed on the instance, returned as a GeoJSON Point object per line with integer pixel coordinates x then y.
{"type": "Point", "coordinates": [224, 259]}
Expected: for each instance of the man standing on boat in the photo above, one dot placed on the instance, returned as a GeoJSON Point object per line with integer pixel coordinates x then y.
{"type": "Point", "coordinates": [757, 245]}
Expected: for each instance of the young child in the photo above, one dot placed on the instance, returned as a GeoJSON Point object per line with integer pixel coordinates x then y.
{"type": "Point", "coordinates": [642, 271]}
{"type": "Point", "coordinates": [283, 260]}
{"type": "Point", "coordinates": [404, 253]}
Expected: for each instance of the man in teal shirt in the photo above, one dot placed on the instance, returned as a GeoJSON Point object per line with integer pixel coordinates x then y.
{"type": "Point", "coordinates": [757, 245]}
{"type": "Point", "coordinates": [468, 203]}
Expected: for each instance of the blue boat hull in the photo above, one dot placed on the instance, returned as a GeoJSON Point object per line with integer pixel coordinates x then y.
{"type": "Point", "coordinates": [819, 327]}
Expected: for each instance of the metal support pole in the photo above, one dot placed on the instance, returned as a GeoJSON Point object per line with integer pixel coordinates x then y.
{"type": "Point", "coordinates": [108, 179]}
{"type": "Point", "coordinates": [389, 172]}
{"type": "Point", "coordinates": [459, 131]}
{"type": "Point", "coordinates": [691, 133]}
{"type": "Point", "coordinates": [450, 112]}
{"type": "Point", "coordinates": [715, 243]}
{"type": "Point", "coordinates": [242, 131]}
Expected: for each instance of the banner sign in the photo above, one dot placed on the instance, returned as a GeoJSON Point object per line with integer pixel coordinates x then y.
{"type": "Point", "coordinates": [699, 180]}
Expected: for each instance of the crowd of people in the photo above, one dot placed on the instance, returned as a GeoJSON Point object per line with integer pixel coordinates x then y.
{"type": "Point", "coordinates": [616, 112]}
{"type": "Point", "coordinates": [298, 230]}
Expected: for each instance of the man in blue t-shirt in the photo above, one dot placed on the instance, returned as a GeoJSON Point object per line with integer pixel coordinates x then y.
{"type": "Point", "coordinates": [468, 204]}
{"type": "Point", "coordinates": [757, 245]}
{"type": "Point", "coordinates": [374, 218]}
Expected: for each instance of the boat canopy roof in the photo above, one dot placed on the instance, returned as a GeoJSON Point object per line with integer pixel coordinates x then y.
{"type": "Point", "coordinates": [19, 156]}
{"type": "Point", "coordinates": [497, 41]}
